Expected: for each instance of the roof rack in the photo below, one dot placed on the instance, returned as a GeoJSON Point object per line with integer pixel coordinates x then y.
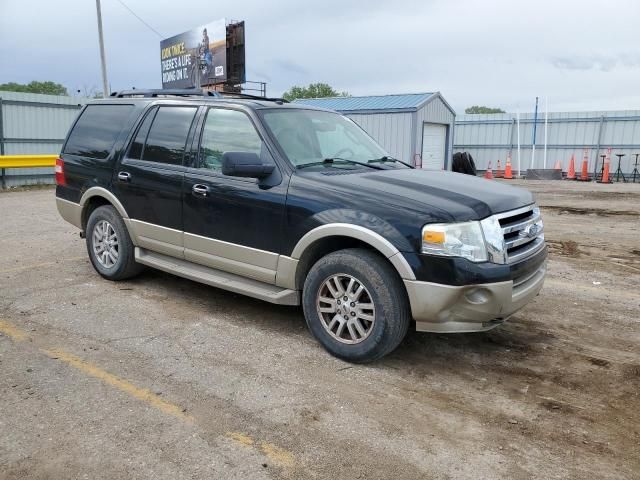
{"type": "Point", "coordinates": [191, 92]}
{"type": "Point", "coordinates": [176, 92]}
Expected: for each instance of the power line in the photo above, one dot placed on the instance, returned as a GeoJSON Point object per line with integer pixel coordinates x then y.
{"type": "Point", "coordinates": [141, 20]}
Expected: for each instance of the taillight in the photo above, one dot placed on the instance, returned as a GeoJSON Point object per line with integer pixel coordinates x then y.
{"type": "Point", "coordinates": [59, 169]}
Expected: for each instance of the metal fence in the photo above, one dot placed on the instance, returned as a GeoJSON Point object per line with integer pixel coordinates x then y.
{"type": "Point", "coordinates": [33, 124]}
{"type": "Point", "coordinates": [493, 137]}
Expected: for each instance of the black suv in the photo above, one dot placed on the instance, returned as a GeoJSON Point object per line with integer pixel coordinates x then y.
{"type": "Point", "coordinates": [296, 205]}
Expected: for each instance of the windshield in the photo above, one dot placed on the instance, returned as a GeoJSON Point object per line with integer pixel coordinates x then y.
{"type": "Point", "coordinates": [311, 136]}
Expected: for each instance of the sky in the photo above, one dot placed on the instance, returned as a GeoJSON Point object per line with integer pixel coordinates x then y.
{"type": "Point", "coordinates": [579, 55]}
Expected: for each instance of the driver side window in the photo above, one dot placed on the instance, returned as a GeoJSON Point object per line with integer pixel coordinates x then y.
{"type": "Point", "coordinates": [226, 131]}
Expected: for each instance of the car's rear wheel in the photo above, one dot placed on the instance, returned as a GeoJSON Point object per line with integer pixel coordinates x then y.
{"type": "Point", "coordinates": [109, 246]}
{"type": "Point", "coordinates": [355, 305]}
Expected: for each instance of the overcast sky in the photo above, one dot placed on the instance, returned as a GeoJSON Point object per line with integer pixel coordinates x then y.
{"type": "Point", "coordinates": [582, 55]}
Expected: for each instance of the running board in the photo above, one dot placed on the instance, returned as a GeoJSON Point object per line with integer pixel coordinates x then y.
{"type": "Point", "coordinates": [217, 278]}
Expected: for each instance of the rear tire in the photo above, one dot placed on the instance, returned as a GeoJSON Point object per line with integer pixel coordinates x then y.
{"type": "Point", "coordinates": [109, 245]}
{"type": "Point", "coordinates": [355, 305]}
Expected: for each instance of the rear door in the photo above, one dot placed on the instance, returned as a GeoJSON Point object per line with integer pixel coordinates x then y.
{"type": "Point", "coordinates": [434, 138]}
{"type": "Point", "coordinates": [149, 179]}
{"type": "Point", "coordinates": [232, 224]}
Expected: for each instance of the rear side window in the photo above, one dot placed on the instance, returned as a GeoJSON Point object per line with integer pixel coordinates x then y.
{"type": "Point", "coordinates": [137, 147]}
{"type": "Point", "coordinates": [168, 135]}
{"type": "Point", "coordinates": [97, 130]}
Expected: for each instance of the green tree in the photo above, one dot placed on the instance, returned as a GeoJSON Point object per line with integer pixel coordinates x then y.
{"type": "Point", "coordinates": [481, 109]}
{"type": "Point", "coordinates": [50, 88]}
{"type": "Point", "coordinates": [313, 90]}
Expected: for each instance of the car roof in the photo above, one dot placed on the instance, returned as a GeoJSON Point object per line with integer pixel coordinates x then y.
{"type": "Point", "coordinates": [197, 97]}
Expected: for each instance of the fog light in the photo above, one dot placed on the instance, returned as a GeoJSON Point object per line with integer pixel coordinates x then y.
{"type": "Point", "coordinates": [477, 296]}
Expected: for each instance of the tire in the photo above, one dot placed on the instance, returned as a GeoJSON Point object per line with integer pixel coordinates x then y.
{"type": "Point", "coordinates": [463, 163]}
{"type": "Point", "coordinates": [121, 264]}
{"type": "Point", "coordinates": [382, 288]}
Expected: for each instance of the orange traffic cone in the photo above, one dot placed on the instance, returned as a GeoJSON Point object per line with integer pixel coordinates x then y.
{"type": "Point", "coordinates": [489, 173]}
{"type": "Point", "coordinates": [571, 174]}
{"type": "Point", "coordinates": [584, 175]}
{"type": "Point", "coordinates": [499, 171]}
{"type": "Point", "coordinates": [557, 166]}
{"type": "Point", "coordinates": [507, 169]}
{"type": "Point", "coordinates": [605, 172]}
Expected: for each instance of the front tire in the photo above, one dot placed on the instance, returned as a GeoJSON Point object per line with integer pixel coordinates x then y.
{"type": "Point", "coordinates": [109, 246]}
{"type": "Point", "coordinates": [355, 305]}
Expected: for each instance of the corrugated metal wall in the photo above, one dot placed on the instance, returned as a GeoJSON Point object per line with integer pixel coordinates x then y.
{"type": "Point", "coordinates": [492, 137]}
{"type": "Point", "coordinates": [34, 123]}
{"type": "Point", "coordinates": [435, 111]}
{"type": "Point", "coordinates": [391, 130]}
{"type": "Point", "coordinates": [400, 133]}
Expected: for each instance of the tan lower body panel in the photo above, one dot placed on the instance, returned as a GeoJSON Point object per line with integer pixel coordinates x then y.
{"type": "Point", "coordinates": [70, 211]}
{"type": "Point", "coordinates": [246, 261]}
{"type": "Point", "coordinates": [217, 278]}
{"type": "Point", "coordinates": [159, 239]}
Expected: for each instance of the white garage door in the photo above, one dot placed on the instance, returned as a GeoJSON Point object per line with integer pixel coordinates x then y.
{"type": "Point", "coordinates": [434, 138]}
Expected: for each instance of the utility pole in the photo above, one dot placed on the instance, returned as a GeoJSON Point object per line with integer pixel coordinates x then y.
{"type": "Point", "coordinates": [105, 83]}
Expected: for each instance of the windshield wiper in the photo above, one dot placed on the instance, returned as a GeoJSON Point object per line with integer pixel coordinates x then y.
{"type": "Point", "coordinates": [338, 159]}
{"type": "Point", "coordinates": [390, 159]}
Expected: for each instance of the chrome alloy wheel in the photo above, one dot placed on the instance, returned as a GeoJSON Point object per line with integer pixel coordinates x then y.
{"type": "Point", "coordinates": [345, 308]}
{"type": "Point", "coordinates": [105, 244]}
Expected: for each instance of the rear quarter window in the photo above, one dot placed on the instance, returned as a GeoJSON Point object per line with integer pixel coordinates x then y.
{"type": "Point", "coordinates": [97, 129]}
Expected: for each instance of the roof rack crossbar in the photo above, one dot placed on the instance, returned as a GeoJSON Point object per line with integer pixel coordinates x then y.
{"type": "Point", "coordinates": [176, 92]}
{"type": "Point", "coordinates": [253, 97]}
{"type": "Point", "coordinates": [191, 92]}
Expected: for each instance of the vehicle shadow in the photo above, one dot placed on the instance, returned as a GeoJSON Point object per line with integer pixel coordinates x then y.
{"type": "Point", "coordinates": [508, 344]}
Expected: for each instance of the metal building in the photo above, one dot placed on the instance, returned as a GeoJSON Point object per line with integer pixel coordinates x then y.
{"type": "Point", "coordinates": [36, 124]}
{"type": "Point", "coordinates": [493, 137]}
{"type": "Point", "coordinates": [416, 128]}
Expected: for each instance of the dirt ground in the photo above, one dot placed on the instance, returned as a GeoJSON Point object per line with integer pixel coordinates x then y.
{"type": "Point", "coordinates": [160, 377]}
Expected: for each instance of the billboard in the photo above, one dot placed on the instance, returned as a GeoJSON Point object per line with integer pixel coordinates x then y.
{"type": "Point", "coordinates": [195, 58]}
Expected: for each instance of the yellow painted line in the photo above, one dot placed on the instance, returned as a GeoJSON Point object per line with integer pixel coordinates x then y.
{"type": "Point", "coordinates": [240, 438]}
{"type": "Point", "coordinates": [277, 455]}
{"type": "Point", "coordinates": [27, 161]}
{"type": "Point", "coordinates": [12, 332]}
{"type": "Point", "coordinates": [41, 265]}
{"type": "Point", "coordinates": [142, 394]}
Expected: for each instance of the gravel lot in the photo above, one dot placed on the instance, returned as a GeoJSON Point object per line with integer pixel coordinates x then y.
{"type": "Point", "coordinates": [161, 377]}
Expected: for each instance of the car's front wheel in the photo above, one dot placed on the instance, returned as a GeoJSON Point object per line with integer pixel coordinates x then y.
{"type": "Point", "coordinates": [109, 246]}
{"type": "Point", "coordinates": [355, 305]}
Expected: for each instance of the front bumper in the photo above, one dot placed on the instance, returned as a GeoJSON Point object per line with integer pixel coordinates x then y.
{"type": "Point", "coordinates": [470, 308]}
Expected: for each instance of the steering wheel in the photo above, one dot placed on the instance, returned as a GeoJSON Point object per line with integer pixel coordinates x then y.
{"type": "Point", "coordinates": [344, 153]}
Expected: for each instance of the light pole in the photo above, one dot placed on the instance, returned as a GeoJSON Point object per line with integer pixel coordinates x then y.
{"type": "Point", "coordinates": [105, 83]}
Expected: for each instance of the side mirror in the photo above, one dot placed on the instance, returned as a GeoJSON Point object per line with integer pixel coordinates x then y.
{"type": "Point", "coordinates": [244, 164]}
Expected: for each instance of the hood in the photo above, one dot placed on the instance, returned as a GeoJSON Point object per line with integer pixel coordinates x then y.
{"type": "Point", "coordinates": [462, 197]}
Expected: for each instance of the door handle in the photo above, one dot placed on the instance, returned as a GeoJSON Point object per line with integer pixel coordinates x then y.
{"type": "Point", "coordinates": [200, 190]}
{"type": "Point", "coordinates": [124, 176]}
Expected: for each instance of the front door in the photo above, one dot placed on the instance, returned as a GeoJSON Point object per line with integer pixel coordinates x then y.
{"type": "Point", "coordinates": [232, 224]}
{"type": "Point", "coordinates": [149, 179]}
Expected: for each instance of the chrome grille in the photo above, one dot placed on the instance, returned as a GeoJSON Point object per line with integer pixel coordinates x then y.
{"type": "Point", "coordinates": [523, 232]}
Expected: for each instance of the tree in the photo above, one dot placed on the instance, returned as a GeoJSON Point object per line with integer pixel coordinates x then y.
{"type": "Point", "coordinates": [49, 88]}
{"type": "Point", "coordinates": [479, 109]}
{"type": "Point", "coordinates": [314, 90]}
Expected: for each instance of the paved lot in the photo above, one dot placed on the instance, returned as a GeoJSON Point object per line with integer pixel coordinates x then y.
{"type": "Point", "coordinates": [161, 377]}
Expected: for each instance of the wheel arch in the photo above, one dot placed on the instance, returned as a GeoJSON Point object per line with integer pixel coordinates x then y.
{"type": "Point", "coordinates": [329, 238]}
{"type": "Point", "coordinates": [95, 197]}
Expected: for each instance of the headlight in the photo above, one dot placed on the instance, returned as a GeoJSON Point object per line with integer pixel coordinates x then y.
{"type": "Point", "coordinates": [455, 240]}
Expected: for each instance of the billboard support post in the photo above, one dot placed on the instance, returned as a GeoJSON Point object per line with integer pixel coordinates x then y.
{"type": "Point", "coordinates": [105, 83]}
